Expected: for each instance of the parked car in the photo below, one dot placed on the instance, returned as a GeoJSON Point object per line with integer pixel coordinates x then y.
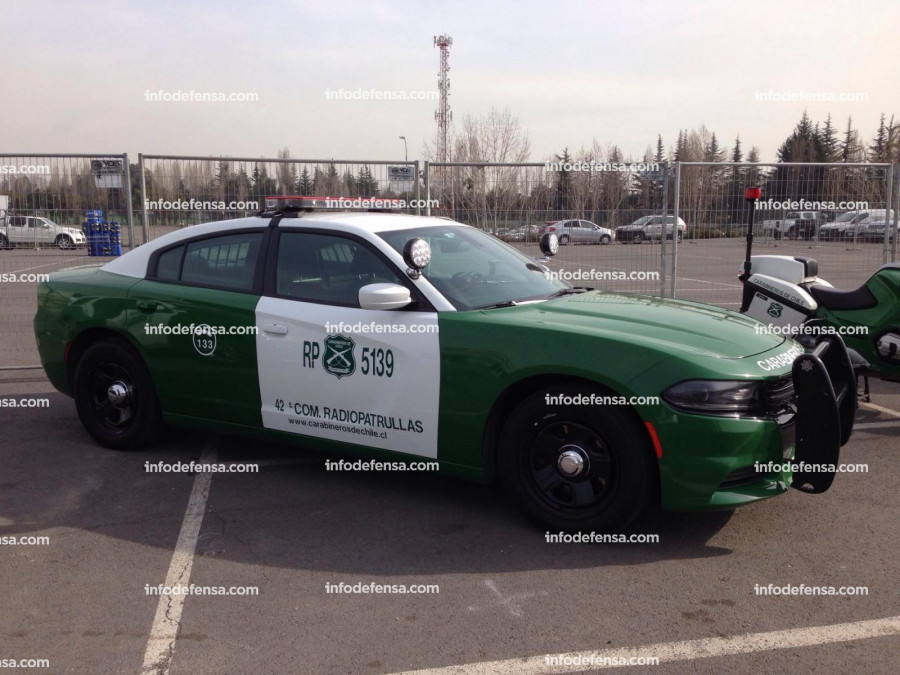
{"type": "Point", "coordinates": [875, 230]}
{"type": "Point", "coordinates": [685, 399]}
{"type": "Point", "coordinates": [861, 229]}
{"type": "Point", "coordinates": [37, 230]}
{"type": "Point", "coordinates": [799, 225]}
{"type": "Point", "coordinates": [649, 228]}
{"type": "Point", "coordinates": [578, 232]}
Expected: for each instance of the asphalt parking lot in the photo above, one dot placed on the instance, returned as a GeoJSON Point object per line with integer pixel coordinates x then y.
{"type": "Point", "coordinates": [507, 598]}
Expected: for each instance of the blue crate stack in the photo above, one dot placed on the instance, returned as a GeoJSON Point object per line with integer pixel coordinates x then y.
{"type": "Point", "coordinates": [104, 237]}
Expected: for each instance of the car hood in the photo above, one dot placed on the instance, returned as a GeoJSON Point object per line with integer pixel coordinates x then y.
{"type": "Point", "coordinates": [672, 325]}
{"type": "Point", "coordinates": [69, 230]}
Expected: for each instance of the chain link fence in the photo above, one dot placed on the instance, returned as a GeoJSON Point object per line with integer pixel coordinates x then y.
{"type": "Point", "coordinates": [180, 191]}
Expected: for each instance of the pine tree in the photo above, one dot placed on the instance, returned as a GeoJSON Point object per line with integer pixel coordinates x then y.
{"type": "Point", "coordinates": [878, 148]}
{"type": "Point", "coordinates": [713, 152]}
{"type": "Point", "coordinates": [850, 147]}
{"type": "Point", "coordinates": [660, 150]}
{"type": "Point", "coordinates": [830, 147]}
{"type": "Point", "coordinates": [736, 154]}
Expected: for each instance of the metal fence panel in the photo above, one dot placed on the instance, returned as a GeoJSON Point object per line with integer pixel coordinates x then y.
{"type": "Point", "coordinates": [514, 201]}
{"type": "Point", "coordinates": [180, 191]}
{"type": "Point", "coordinates": [830, 212]}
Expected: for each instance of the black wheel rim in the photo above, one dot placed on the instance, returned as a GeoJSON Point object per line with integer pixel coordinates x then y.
{"type": "Point", "coordinates": [570, 493]}
{"type": "Point", "coordinates": [116, 416]}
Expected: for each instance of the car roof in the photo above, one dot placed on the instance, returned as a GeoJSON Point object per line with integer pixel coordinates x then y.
{"type": "Point", "coordinates": [363, 224]}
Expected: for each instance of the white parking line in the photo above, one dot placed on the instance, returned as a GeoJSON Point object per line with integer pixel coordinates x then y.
{"type": "Point", "coordinates": [715, 283]}
{"type": "Point", "coordinates": [686, 650]}
{"type": "Point", "coordinates": [876, 425]}
{"type": "Point", "coordinates": [55, 262]}
{"type": "Point", "coordinates": [881, 409]}
{"type": "Point", "coordinates": [167, 622]}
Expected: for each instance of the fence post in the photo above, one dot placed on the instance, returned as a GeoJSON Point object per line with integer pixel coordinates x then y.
{"type": "Point", "coordinates": [418, 191]}
{"type": "Point", "coordinates": [895, 168]}
{"type": "Point", "coordinates": [128, 205]}
{"type": "Point", "coordinates": [426, 170]}
{"type": "Point", "coordinates": [676, 197]}
{"type": "Point", "coordinates": [662, 241]}
{"type": "Point", "coordinates": [144, 224]}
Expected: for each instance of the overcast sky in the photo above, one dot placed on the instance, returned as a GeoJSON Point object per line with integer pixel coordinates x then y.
{"type": "Point", "coordinates": [75, 73]}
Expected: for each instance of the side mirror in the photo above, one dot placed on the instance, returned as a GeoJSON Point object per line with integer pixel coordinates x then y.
{"type": "Point", "coordinates": [384, 296]}
{"type": "Point", "coordinates": [549, 244]}
{"type": "Point", "coordinates": [46, 226]}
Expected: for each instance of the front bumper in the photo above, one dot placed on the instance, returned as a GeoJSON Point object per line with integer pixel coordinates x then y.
{"type": "Point", "coordinates": [722, 462]}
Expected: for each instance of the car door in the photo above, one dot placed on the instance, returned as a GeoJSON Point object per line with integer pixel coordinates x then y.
{"type": "Point", "coordinates": [591, 234]}
{"type": "Point", "coordinates": [17, 229]}
{"type": "Point", "coordinates": [330, 369]}
{"type": "Point", "coordinates": [44, 232]}
{"type": "Point", "coordinates": [207, 290]}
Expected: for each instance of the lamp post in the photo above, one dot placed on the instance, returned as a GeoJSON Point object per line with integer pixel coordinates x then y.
{"type": "Point", "coordinates": [405, 153]}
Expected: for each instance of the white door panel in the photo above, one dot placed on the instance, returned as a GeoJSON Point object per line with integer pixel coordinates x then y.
{"type": "Point", "coordinates": [378, 389]}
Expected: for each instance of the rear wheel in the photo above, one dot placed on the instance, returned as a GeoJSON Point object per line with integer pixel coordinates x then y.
{"type": "Point", "coordinates": [577, 467]}
{"type": "Point", "coordinates": [114, 396]}
{"type": "Point", "coordinates": [792, 234]}
{"type": "Point", "coordinates": [4, 242]}
{"type": "Point", "coordinates": [563, 240]}
{"type": "Point", "coordinates": [637, 238]}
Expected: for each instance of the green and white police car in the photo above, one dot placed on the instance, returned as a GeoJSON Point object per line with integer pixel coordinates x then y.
{"type": "Point", "coordinates": [401, 337]}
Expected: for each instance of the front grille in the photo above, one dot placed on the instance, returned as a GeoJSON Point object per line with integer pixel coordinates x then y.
{"type": "Point", "coordinates": [779, 398]}
{"type": "Point", "coordinates": [747, 475]}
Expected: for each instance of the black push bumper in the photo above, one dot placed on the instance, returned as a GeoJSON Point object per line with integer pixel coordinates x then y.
{"type": "Point", "coordinates": [825, 385]}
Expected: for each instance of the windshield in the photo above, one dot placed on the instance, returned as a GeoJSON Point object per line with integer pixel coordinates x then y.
{"type": "Point", "coordinates": [643, 221]}
{"type": "Point", "coordinates": [846, 218]}
{"type": "Point", "coordinates": [473, 269]}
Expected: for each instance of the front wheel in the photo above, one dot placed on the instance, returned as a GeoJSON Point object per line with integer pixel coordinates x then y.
{"type": "Point", "coordinates": [64, 242]}
{"type": "Point", "coordinates": [577, 467]}
{"type": "Point", "coordinates": [563, 240]}
{"type": "Point", "coordinates": [4, 242]}
{"type": "Point", "coordinates": [605, 239]}
{"type": "Point", "coordinates": [114, 396]}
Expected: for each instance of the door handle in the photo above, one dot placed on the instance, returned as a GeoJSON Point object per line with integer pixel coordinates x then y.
{"type": "Point", "coordinates": [147, 306]}
{"type": "Point", "coordinates": [275, 329]}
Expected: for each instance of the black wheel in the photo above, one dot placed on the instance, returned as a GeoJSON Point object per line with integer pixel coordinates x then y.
{"type": "Point", "coordinates": [605, 239]}
{"type": "Point", "coordinates": [563, 240]}
{"type": "Point", "coordinates": [637, 238]}
{"type": "Point", "coordinates": [577, 467]}
{"type": "Point", "coordinates": [792, 234]}
{"type": "Point", "coordinates": [114, 396]}
{"type": "Point", "coordinates": [4, 242]}
{"type": "Point", "coordinates": [64, 242]}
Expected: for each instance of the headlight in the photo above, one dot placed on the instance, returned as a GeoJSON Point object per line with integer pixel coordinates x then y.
{"type": "Point", "coordinates": [716, 397]}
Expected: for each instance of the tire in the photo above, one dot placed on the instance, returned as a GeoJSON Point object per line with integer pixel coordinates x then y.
{"type": "Point", "coordinates": [792, 234]}
{"type": "Point", "coordinates": [125, 426]}
{"type": "Point", "coordinates": [680, 237]}
{"type": "Point", "coordinates": [564, 240]}
{"type": "Point", "coordinates": [637, 238]}
{"type": "Point", "coordinates": [4, 242]}
{"type": "Point", "coordinates": [620, 477]}
{"type": "Point", "coordinates": [605, 239]}
{"type": "Point", "coordinates": [64, 242]}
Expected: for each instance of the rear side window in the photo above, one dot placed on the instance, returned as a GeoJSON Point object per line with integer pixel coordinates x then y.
{"type": "Point", "coordinates": [168, 265]}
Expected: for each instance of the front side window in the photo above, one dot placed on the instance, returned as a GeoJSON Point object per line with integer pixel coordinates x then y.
{"type": "Point", "coordinates": [327, 269]}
